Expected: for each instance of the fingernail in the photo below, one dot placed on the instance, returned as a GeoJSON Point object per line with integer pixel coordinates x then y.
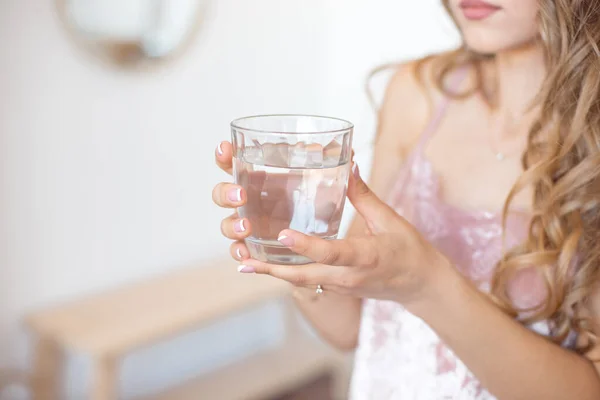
{"type": "Point", "coordinates": [220, 149]}
{"type": "Point", "coordinates": [244, 269]}
{"type": "Point", "coordinates": [239, 226]}
{"type": "Point", "coordinates": [235, 195]}
{"type": "Point", "coordinates": [286, 241]}
{"type": "Point", "coordinates": [355, 171]}
{"type": "Point", "coordinates": [238, 253]}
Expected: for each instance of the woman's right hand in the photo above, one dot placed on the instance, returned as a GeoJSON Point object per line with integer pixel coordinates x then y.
{"type": "Point", "coordinates": [229, 195]}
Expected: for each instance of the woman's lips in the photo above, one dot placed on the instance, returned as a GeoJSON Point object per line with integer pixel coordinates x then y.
{"type": "Point", "coordinates": [477, 10]}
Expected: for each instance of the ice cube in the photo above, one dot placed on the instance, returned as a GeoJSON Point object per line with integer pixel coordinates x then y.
{"type": "Point", "coordinates": [332, 154]}
{"type": "Point", "coordinates": [275, 154]}
{"type": "Point", "coordinates": [314, 155]}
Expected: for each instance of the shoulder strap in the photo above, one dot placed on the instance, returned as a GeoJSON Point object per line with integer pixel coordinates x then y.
{"type": "Point", "coordinates": [442, 107]}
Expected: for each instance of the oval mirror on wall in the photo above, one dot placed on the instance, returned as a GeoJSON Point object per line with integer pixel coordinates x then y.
{"type": "Point", "coordinates": [133, 32]}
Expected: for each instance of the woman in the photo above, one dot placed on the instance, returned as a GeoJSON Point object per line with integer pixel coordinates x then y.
{"type": "Point", "coordinates": [423, 285]}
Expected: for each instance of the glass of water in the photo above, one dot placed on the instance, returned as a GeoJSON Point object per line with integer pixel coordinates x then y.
{"type": "Point", "coordinates": [294, 169]}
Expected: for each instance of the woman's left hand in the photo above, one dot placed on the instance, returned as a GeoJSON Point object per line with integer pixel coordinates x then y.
{"type": "Point", "coordinates": [392, 261]}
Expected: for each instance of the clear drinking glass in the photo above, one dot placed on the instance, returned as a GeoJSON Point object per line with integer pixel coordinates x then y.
{"type": "Point", "coordinates": [295, 171]}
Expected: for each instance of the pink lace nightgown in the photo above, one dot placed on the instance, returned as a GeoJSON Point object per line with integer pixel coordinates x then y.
{"type": "Point", "coordinates": [399, 357]}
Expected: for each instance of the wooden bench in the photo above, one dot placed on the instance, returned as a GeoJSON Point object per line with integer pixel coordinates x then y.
{"type": "Point", "coordinates": [107, 326]}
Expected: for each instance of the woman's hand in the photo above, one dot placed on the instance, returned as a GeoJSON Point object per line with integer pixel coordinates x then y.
{"type": "Point", "coordinates": [228, 195]}
{"type": "Point", "coordinates": [390, 262]}
{"type": "Point", "coordinates": [280, 210]}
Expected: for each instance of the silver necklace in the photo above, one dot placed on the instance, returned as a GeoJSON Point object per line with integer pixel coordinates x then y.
{"type": "Point", "coordinates": [498, 154]}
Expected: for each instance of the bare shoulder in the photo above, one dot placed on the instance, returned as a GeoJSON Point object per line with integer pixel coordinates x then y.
{"type": "Point", "coordinates": [403, 116]}
{"type": "Point", "coordinates": [407, 105]}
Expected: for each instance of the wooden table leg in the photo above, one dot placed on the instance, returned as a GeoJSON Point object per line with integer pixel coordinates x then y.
{"type": "Point", "coordinates": [47, 370]}
{"type": "Point", "coordinates": [105, 380]}
{"type": "Point", "coordinates": [342, 374]}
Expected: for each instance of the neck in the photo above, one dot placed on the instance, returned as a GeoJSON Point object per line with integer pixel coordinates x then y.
{"type": "Point", "coordinates": [519, 75]}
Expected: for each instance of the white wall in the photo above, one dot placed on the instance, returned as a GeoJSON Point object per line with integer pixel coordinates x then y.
{"type": "Point", "coordinates": [105, 175]}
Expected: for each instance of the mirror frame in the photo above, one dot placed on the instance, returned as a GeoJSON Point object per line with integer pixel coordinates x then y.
{"type": "Point", "coordinates": [129, 55]}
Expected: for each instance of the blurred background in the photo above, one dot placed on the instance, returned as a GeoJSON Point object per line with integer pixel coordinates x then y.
{"type": "Point", "coordinates": [110, 112]}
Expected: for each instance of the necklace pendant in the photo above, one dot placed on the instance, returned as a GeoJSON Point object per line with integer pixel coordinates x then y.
{"type": "Point", "coordinates": [500, 156]}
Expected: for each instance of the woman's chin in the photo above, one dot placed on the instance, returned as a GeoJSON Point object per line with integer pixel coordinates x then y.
{"type": "Point", "coordinates": [482, 45]}
{"type": "Point", "coordinates": [486, 45]}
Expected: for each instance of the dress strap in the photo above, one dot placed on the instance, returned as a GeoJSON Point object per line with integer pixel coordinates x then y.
{"type": "Point", "coordinates": [442, 107]}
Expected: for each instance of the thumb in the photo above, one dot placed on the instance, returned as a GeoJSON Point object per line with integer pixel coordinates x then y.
{"type": "Point", "coordinates": [377, 214]}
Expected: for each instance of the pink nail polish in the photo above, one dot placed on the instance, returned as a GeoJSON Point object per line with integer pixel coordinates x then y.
{"type": "Point", "coordinates": [220, 149]}
{"type": "Point", "coordinates": [286, 241]}
{"type": "Point", "coordinates": [239, 226]}
{"type": "Point", "coordinates": [356, 171]}
{"type": "Point", "coordinates": [238, 253]}
{"type": "Point", "coordinates": [235, 195]}
{"type": "Point", "coordinates": [244, 269]}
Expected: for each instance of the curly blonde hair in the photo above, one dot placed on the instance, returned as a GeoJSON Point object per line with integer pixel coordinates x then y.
{"type": "Point", "coordinates": [561, 163]}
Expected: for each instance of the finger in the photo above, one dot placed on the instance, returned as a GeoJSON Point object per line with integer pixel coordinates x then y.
{"type": "Point", "coordinates": [239, 251]}
{"type": "Point", "coordinates": [228, 195]}
{"type": "Point", "coordinates": [354, 251]}
{"type": "Point", "coordinates": [224, 156]}
{"type": "Point", "coordinates": [298, 275]}
{"type": "Point", "coordinates": [378, 215]}
{"type": "Point", "coordinates": [235, 228]}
